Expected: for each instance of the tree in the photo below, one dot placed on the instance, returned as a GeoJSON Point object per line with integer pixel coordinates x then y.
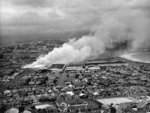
{"type": "Point", "coordinates": [21, 109]}
{"type": "Point", "coordinates": [112, 110]}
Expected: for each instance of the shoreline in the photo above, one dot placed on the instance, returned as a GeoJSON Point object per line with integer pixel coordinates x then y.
{"type": "Point", "coordinates": [129, 56]}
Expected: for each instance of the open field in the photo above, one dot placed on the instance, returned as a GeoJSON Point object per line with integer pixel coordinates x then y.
{"type": "Point", "coordinates": [116, 100]}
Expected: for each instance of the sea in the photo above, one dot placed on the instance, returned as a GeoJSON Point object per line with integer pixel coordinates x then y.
{"type": "Point", "coordinates": [143, 57]}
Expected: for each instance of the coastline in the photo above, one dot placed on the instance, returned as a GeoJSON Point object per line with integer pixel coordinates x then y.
{"type": "Point", "coordinates": [130, 56]}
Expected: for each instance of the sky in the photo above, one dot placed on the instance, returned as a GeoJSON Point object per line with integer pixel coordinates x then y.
{"type": "Point", "coordinates": [23, 18]}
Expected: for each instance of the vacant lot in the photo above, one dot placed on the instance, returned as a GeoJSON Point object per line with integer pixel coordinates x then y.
{"type": "Point", "coordinates": [116, 100]}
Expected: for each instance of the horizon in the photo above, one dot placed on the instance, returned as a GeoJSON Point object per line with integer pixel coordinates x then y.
{"type": "Point", "coordinates": [29, 20]}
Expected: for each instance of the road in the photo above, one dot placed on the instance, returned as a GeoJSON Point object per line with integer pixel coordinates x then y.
{"type": "Point", "coordinates": [62, 79]}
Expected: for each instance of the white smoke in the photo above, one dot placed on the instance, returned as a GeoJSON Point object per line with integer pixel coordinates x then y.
{"type": "Point", "coordinates": [125, 23]}
{"type": "Point", "coordinates": [73, 51]}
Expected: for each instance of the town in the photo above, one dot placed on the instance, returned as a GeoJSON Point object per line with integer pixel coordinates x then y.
{"type": "Point", "coordinates": [111, 85]}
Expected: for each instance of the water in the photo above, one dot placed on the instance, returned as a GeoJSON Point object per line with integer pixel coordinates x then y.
{"type": "Point", "coordinates": [139, 57]}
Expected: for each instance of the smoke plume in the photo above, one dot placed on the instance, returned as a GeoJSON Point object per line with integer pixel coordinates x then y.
{"type": "Point", "coordinates": [118, 25]}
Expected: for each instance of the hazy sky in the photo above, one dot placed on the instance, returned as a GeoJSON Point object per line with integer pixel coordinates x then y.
{"type": "Point", "coordinates": [34, 17]}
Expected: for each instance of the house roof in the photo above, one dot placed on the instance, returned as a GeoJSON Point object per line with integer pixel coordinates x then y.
{"type": "Point", "coordinates": [72, 101]}
{"type": "Point", "coordinates": [141, 94]}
